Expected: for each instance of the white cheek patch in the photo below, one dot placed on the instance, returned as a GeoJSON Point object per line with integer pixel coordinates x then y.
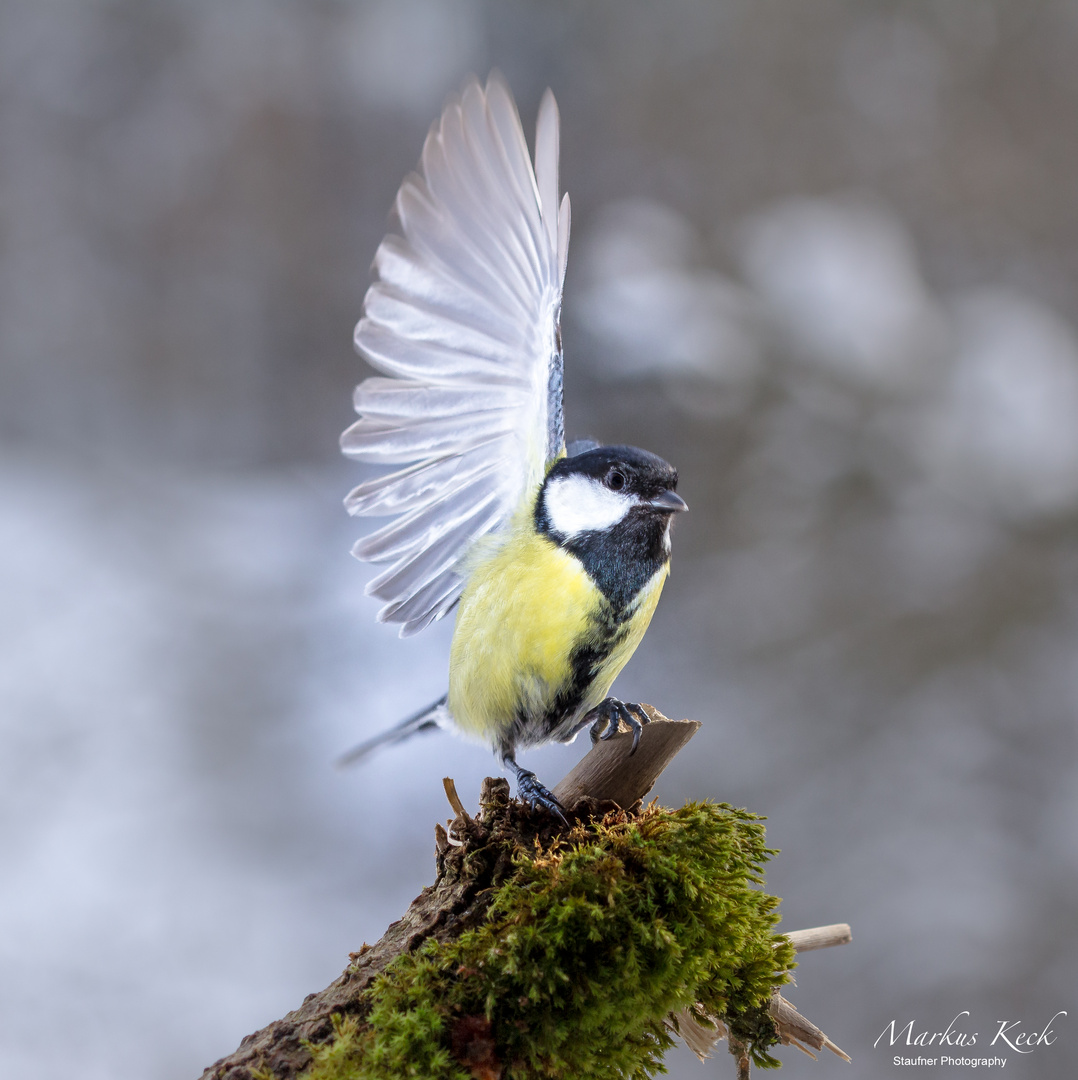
{"type": "Point", "coordinates": [578, 504]}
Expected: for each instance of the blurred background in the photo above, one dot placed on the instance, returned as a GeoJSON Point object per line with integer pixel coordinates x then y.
{"type": "Point", "coordinates": [824, 260]}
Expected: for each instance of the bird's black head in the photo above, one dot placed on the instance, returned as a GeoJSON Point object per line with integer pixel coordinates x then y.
{"type": "Point", "coordinates": [611, 506]}
{"type": "Point", "coordinates": [595, 490]}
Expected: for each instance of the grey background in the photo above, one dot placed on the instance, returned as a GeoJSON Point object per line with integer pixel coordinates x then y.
{"type": "Point", "coordinates": [824, 260]}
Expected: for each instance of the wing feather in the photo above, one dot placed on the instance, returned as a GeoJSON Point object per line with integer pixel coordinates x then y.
{"type": "Point", "coordinates": [503, 112]}
{"type": "Point", "coordinates": [419, 484]}
{"type": "Point", "coordinates": [443, 241]}
{"type": "Point", "coordinates": [413, 572]}
{"type": "Point", "coordinates": [460, 173]}
{"type": "Point", "coordinates": [501, 181]}
{"type": "Point", "coordinates": [547, 140]}
{"type": "Point", "coordinates": [564, 216]}
{"type": "Point", "coordinates": [454, 177]}
{"type": "Point", "coordinates": [407, 272]}
{"type": "Point", "coordinates": [404, 400]}
{"type": "Point", "coordinates": [464, 318]}
{"type": "Point", "coordinates": [417, 320]}
{"type": "Point", "coordinates": [430, 603]}
{"type": "Point", "coordinates": [389, 443]}
{"type": "Point", "coordinates": [422, 528]}
{"type": "Point", "coordinates": [440, 363]}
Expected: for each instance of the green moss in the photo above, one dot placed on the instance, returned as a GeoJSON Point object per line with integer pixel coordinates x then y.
{"type": "Point", "coordinates": [587, 946]}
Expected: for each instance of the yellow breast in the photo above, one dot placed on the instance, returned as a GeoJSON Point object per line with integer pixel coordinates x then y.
{"type": "Point", "coordinates": [520, 616]}
{"type": "Point", "coordinates": [524, 611]}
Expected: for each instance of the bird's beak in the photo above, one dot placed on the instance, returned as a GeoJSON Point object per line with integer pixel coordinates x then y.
{"type": "Point", "coordinates": [668, 502]}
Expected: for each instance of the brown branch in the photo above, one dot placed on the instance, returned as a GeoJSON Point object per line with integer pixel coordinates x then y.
{"type": "Point", "coordinates": [610, 773]}
{"type": "Point", "coordinates": [456, 900]}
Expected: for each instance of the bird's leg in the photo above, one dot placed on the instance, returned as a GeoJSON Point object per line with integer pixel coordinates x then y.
{"type": "Point", "coordinates": [606, 717]}
{"type": "Point", "coordinates": [530, 790]}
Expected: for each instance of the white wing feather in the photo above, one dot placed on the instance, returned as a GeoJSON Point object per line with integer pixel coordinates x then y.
{"type": "Point", "coordinates": [464, 315]}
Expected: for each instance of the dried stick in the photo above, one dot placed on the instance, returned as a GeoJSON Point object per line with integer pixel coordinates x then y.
{"type": "Point", "coordinates": [610, 773]}
{"type": "Point", "coordinates": [820, 937]}
{"type": "Point", "coordinates": [792, 1028]}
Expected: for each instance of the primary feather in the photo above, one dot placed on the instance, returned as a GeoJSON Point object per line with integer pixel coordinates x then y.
{"type": "Point", "coordinates": [464, 317]}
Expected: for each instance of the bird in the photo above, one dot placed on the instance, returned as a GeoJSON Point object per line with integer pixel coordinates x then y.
{"type": "Point", "coordinates": [551, 556]}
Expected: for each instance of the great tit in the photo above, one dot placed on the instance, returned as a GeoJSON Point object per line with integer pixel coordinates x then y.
{"type": "Point", "coordinates": [552, 558]}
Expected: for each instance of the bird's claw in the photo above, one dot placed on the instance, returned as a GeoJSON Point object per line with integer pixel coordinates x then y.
{"type": "Point", "coordinates": [536, 794]}
{"type": "Point", "coordinates": [608, 716]}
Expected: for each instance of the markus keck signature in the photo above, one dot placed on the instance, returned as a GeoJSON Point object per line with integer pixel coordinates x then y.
{"type": "Point", "coordinates": [1002, 1035]}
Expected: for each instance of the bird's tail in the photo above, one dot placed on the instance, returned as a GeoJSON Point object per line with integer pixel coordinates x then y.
{"type": "Point", "coordinates": [433, 716]}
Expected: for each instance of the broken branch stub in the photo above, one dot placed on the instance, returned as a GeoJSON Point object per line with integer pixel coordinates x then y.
{"type": "Point", "coordinates": [610, 773]}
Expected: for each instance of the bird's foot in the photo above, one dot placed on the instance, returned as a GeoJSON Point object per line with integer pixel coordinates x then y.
{"type": "Point", "coordinates": [608, 715]}
{"type": "Point", "coordinates": [536, 794]}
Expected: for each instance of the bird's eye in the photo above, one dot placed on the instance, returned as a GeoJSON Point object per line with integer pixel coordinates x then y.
{"type": "Point", "coordinates": [616, 480]}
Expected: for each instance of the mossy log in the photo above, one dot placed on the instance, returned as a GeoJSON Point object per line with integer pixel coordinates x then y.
{"type": "Point", "coordinates": [547, 951]}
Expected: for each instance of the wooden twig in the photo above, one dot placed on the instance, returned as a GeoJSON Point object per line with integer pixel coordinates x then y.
{"type": "Point", "coordinates": [454, 799]}
{"type": "Point", "coordinates": [792, 1028]}
{"type": "Point", "coordinates": [609, 773]}
{"type": "Point", "coordinates": [820, 937]}
{"type": "Point", "coordinates": [741, 1056]}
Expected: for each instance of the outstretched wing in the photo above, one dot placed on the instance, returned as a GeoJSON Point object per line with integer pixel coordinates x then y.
{"type": "Point", "coordinates": [464, 317]}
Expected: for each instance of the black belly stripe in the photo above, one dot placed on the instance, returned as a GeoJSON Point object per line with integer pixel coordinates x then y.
{"type": "Point", "coordinates": [585, 663]}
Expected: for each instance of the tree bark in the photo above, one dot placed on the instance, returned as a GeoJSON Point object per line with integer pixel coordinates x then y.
{"type": "Point", "coordinates": [608, 774]}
